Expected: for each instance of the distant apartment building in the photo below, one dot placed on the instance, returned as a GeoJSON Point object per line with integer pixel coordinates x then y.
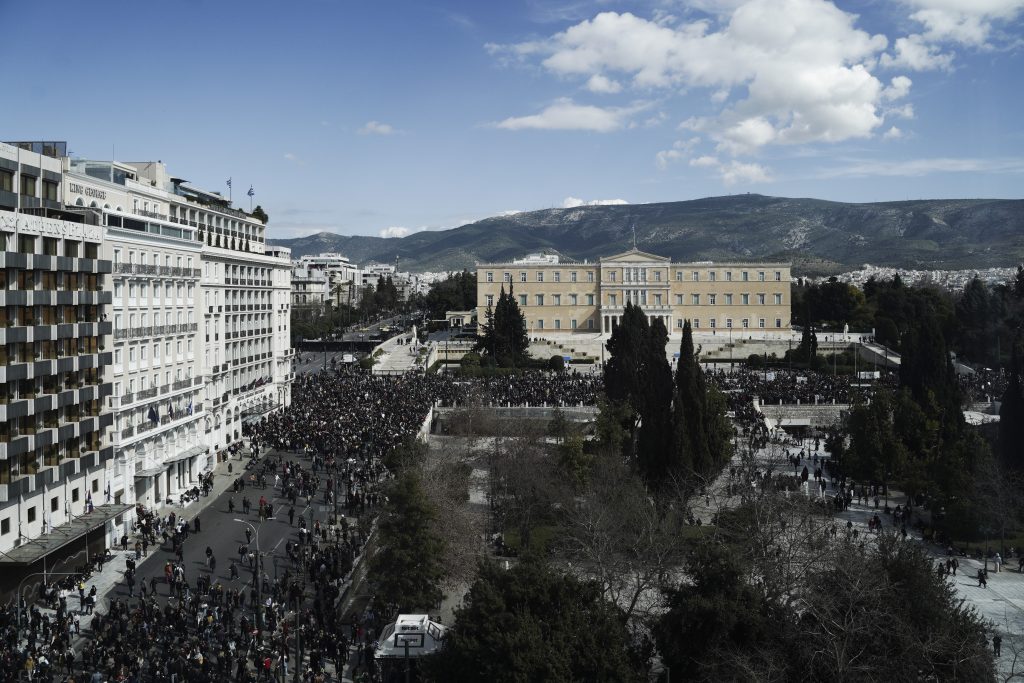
{"type": "Point", "coordinates": [407, 284]}
{"type": "Point", "coordinates": [310, 289]}
{"type": "Point", "coordinates": [581, 297]}
{"type": "Point", "coordinates": [56, 500]}
{"type": "Point", "coordinates": [344, 278]}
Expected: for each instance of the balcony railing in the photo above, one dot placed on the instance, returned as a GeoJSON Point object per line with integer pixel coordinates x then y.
{"type": "Point", "coordinates": [155, 330]}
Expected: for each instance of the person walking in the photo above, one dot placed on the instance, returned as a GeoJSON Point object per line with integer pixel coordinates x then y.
{"type": "Point", "coordinates": [998, 562]}
{"type": "Point", "coordinates": [997, 644]}
{"type": "Point", "coordinates": [982, 581]}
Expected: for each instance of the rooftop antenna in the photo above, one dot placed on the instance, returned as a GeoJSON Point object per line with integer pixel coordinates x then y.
{"type": "Point", "coordinates": [633, 228]}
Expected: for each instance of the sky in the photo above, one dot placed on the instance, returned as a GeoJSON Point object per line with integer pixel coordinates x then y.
{"type": "Point", "coordinates": [386, 118]}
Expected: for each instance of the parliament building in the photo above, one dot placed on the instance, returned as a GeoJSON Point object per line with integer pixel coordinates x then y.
{"type": "Point", "coordinates": [579, 297]}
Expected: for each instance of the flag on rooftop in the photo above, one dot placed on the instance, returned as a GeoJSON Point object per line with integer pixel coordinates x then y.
{"type": "Point", "coordinates": [250, 193]}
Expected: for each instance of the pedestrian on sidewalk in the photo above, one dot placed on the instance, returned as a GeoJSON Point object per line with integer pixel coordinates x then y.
{"type": "Point", "coordinates": [997, 644]}
{"type": "Point", "coordinates": [982, 580]}
{"type": "Point", "coordinates": [999, 563]}
{"type": "Point", "coordinates": [195, 523]}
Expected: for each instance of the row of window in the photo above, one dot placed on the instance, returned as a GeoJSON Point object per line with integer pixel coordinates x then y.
{"type": "Point", "coordinates": [640, 298]}
{"type": "Point", "coordinates": [143, 353]}
{"type": "Point", "coordinates": [573, 324]}
{"type": "Point", "coordinates": [556, 299]}
{"type": "Point", "coordinates": [143, 290]}
{"type": "Point", "coordinates": [144, 259]}
{"type": "Point", "coordinates": [28, 185]}
{"type": "Point", "coordinates": [744, 323]}
{"type": "Point", "coordinates": [639, 275]}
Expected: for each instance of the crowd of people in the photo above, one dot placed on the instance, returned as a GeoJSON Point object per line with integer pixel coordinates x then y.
{"type": "Point", "coordinates": [522, 389]}
{"type": "Point", "coordinates": [243, 622]}
{"type": "Point", "coordinates": [792, 386]}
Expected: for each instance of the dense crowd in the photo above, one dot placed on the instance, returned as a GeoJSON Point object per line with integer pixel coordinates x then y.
{"type": "Point", "coordinates": [194, 624]}
{"type": "Point", "coordinates": [532, 388]}
{"type": "Point", "coordinates": [790, 386]}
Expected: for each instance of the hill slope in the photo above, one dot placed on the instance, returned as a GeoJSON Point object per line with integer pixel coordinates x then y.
{"type": "Point", "coordinates": [817, 236]}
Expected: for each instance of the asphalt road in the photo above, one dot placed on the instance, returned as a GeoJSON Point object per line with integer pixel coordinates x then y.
{"type": "Point", "coordinates": [220, 531]}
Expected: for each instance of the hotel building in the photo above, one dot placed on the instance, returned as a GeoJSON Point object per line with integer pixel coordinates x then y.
{"type": "Point", "coordinates": [201, 332]}
{"type": "Point", "coordinates": [562, 298]}
{"type": "Point", "coordinates": [56, 504]}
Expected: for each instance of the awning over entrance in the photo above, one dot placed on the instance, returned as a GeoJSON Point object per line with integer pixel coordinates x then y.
{"type": "Point", "coordinates": [142, 474]}
{"type": "Point", "coordinates": [185, 455]}
{"type": "Point", "coordinates": [254, 415]}
{"type": "Point", "coordinates": [40, 547]}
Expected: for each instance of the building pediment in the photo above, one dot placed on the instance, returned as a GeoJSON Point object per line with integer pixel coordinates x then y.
{"type": "Point", "coordinates": [635, 256]}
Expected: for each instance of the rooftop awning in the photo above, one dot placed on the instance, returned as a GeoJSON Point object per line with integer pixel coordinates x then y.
{"type": "Point", "coordinates": [38, 548]}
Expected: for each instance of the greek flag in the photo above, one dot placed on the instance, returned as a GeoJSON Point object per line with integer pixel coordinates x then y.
{"type": "Point", "coordinates": [152, 414]}
{"type": "Point", "coordinates": [250, 192]}
{"type": "Point", "coordinates": [229, 182]}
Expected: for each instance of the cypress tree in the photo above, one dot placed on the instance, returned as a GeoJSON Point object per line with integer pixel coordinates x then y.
{"type": "Point", "coordinates": [622, 375]}
{"type": "Point", "coordinates": [655, 436]}
{"type": "Point", "coordinates": [689, 439]}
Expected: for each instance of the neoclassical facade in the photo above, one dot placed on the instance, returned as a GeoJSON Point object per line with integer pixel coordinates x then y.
{"type": "Point", "coordinates": [580, 297]}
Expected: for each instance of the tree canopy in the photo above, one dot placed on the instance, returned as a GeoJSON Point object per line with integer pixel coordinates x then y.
{"type": "Point", "coordinates": [530, 623]}
{"type": "Point", "coordinates": [504, 337]}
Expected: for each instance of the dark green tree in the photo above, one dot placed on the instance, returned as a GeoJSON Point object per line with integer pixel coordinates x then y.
{"type": "Point", "coordinates": [408, 568]}
{"type": "Point", "coordinates": [700, 431]}
{"type": "Point", "coordinates": [457, 292]}
{"type": "Point", "coordinates": [259, 214]}
{"type": "Point", "coordinates": [623, 373]}
{"type": "Point", "coordinates": [654, 440]}
{"type": "Point", "coordinates": [876, 451]}
{"type": "Point", "coordinates": [718, 623]}
{"type": "Point", "coordinates": [504, 335]}
{"type": "Point", "coordinates": [1011, 415]}
{"type": "Point", "coordinates": [530, 624]}
{"type": "Point", "coordinates": [690, 440]}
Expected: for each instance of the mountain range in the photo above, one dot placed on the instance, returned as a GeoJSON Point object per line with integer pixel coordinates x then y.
{"type": "Point", "coordinates": [816, 236]}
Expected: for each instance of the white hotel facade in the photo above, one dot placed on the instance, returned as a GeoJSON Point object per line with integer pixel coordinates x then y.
{"type": "Point", "coordinates": [200, 315]}
{"type": "Point", "coordinates": [143, 320]}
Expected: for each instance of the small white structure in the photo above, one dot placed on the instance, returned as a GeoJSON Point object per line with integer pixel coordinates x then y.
{"type": "Point", "coordinates": [412, 635]}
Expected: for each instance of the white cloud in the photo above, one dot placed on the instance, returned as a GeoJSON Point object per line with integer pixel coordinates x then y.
{"type": "Point", "coordinates": [394, 231]}
{"type": "Point", "coordinates": [730, 173]}
{"type": "Point", "coordinates": [680, 150]}
{"type": "Point", "coordinates": [705, 162]}
{"type": "Point", "coordinates": [736, 172]}
{"type": "Point", "coordinates": [576, 202]}
{"type": "Point", "coordinates": [377, 128]}
{"type": "Point", "coordinates": [747, 135]}
{"type": "Point", "coordinates": [804, 66]}
{"type": "Point", "coordinates": [565, 114]}
{"type": "Point", "coordinates": [922, 167]}
{"type": "Point", "coordinates": [600, 83]}
{"type": "Point", "coordinates": [968, 22]}
{"type": "Point", "coordinates": [893, 133]}
{"type": "Point", "coordinates": [913, 52]}
{"type": "Point", "coordinates": [898, 89]}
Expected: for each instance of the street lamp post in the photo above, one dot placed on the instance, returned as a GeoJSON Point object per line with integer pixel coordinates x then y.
{"type": "Point", "coordinates": [256, 569]}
